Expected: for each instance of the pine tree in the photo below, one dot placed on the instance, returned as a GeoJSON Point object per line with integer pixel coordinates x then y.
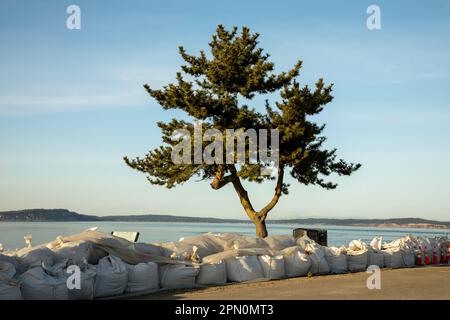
{"type": "Point", "coordinates": [212, 89]}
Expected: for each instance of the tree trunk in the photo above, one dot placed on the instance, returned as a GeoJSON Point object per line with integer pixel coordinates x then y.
{"type": "Point", "coordinates": [258, 218]}
{"type": "Point", "coordinates": [261, 230]}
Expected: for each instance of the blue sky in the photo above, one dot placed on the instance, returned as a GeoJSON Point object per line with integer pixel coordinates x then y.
{"type": "Point", "coordinates": [72, 103]}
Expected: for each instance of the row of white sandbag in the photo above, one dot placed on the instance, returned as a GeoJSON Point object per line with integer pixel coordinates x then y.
{"type": "Point", "coordinates": [197, 247]}
{"type": "Point", "coordinates": [59, 282]}
{"type": "Point", "coordinates": [113, 277]}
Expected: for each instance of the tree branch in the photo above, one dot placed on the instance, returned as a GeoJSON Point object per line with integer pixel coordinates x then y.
{"type": "Point", "coordinates": [242, 193]}
{"type": "Point", "coordinates": [220, 179]}
{"type": "Point", "coordinates": [262, 214]}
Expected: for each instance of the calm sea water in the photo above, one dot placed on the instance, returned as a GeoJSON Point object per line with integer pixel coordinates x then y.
{"type": "Point", "coordinates": [12, 233]}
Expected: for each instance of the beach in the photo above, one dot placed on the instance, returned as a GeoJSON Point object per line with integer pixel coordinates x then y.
{"type": "Point", "coordinates": [425, 283]}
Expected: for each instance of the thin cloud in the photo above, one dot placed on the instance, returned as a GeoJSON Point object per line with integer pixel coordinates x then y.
{"type": "Point", "coordinates": [27, 105]}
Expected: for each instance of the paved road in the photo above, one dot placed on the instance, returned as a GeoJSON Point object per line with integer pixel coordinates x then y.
{"type": "Point", "coordinates": [415, 283]}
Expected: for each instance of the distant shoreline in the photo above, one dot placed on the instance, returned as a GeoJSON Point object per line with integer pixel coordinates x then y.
{"type": "Point", "coordinates": [64, 215]}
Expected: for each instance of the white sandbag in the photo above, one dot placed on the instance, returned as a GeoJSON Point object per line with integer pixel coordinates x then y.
{"type": "Point", "coordinates": [87, 283]}
{"type": "Point", "coordinates": [280, 242]}
{"type": "Point", "coordinates": [180, 251]}
{"type": "Point", "coordinates": [207, 244]}
{"type": "Point", "coordinates": [37, 284]}
{"type": "Point", "coordinates": [230, 254]}
{"type": "Point", "coordinates": [375, 258]}
{"type": "Point", "coordinates": [400, 253]}
{"type": "Point", "coordinates": [244, 242]}
{"type": "Point", "coordinates": [296, 263]}
{"type": "Point", "coordinates": [409, 258]}
{"type": "Point", "coordinates": [244, 268]}
{"type": "Point", "coordinates": [272, 266]}
{"type": "Point", "coordinates": [408, 242]}
{"type": "Point", "coordinates": [212, 274]}
{"type": "Point", "coordinates": [357, 260]}
{"type": "Point", "coordinates": [36, 256]}
{"type": "Point", "coordinates": [7, 269]}
{"type": "Point", "coordinates": [393, 258]}
{"type": "Point", "coordinates": [376, 243]}
{"type": "Point", "coordinates": [142, 277]}
{"type": "Point", "coordinates": [112, 277]}
{"type": "Point", "coordinates": [302, 242]}
{"type": "Point", "coordinates": [177, 276]}
{"type": "Point", "coordinates": [228, 238]}
{"type": "Point", "coordinates": [336, 259]}
{"type": "Point", "coordinates": [357, 245]}
{"type": "Point", "coordinates": [197, 247]}
{"type": "Point", "coordinates": [10, 259]}
{"type": "Point", "coordinates": [319, 264]}
{"type": "Point", "coordinates": [168, 250]}
{"type": "Point", "coordinates": [79, 252]}
{"type": "Point", "coordinates": [9, 288]}
{"type": "Point", "coordinates": [147, 248]}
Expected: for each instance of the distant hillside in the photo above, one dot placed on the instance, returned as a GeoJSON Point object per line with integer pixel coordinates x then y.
{"type": "Point", "coordinates": [42, 215]}
{"type": "Point", "coordinates": [45, 215]}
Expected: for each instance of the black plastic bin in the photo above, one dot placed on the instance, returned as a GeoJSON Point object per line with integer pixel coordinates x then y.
{"type": "Point", "coordinates": [318, 235]}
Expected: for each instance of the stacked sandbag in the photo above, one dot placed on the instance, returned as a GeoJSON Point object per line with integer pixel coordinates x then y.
{"type": "Point", "coordinates": [142, 277]}
{"type": "Point", "coordinates": [376, 243]}
{"type": "Point", "coordinates": [400, 253]}
{"type": "Point", "coordinates": [303, 241]}
{"type": "Point", "coordinates": [170, 250]}
{"type": "Point", "coordinates": [272, 266]}
{"type": "Point", "coordinates": [296, 262]}
{"type": "Point", "coordinates": [280, 242]}
{"type": "Point", "coordinates": [227, 239]}
{"type": "Point", "coordinates": [35, 256]}
{"type": "Point", "coordinates": [244, 268]}
{"type": "Point", "coordinates": [336, 259]}
{"type": "Point", "coordinates": [375, 258]}
{"type": "Point", "coordinates": [7, 269]}
{"type": "Point", "coordinates": [212, 274]}
{"type": "Point", "coordinates": [9, 287]}
{"type": "Point", "coordinates": [245, 242]}
{"type": "Point", "coordinates": [197, 247]}
{"type": "Point", "coordinates": [78, 252]}
{"type": "Point", "coordinates": [12, 259]}
{"type": "Point", "coordinates": [112, 277]}
{"type": "Point", "coordinates": [148, 249]}
{"type": "Point", "coordinates": [177, 276]}
{"type": "Point", "coordinates": [40, 284]}
{"type": "Point", "coordinates": [86, 290]}
{"type": "Point", "coordinates": [104, 243]}
{"type": "Point", "coordinates": [357, 256]}
{"type": "Point", "coordinates": [407, 247]}
{"type": "Point", "coordinates": [207, 244]}
{"type": "Point", "coordinates": [319, 264]}
{"type": "Point", "coordinates": [409, 258]}
{"type": "Point", "coordinates": [393, 258]}
{"type": "Point", "coordinates": [375, 255]}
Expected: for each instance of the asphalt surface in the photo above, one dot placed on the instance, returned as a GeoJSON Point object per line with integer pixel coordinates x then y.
{"type": "Point", "coordinates": [415, 283]}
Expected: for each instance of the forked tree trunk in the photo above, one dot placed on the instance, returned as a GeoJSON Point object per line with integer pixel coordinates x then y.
{"type": "Point", "coordinates": [258, 218]}
{"type": "Point", "coordinates": [261, 230]}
